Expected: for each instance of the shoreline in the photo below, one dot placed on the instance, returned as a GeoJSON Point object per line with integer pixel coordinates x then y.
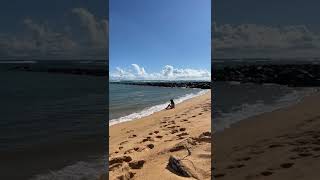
{"type": "Point", "coordinates": [147, 143]}
{"type": "Point", "coordinates": [148, 111]}
{"type": "Point", "coordinates": [276, 144]}
{"type": "Point", "coordinates": [253, 110]}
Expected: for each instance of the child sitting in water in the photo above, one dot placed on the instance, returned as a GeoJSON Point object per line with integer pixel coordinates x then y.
{"type": "Point", "coordinates": [171, 105]}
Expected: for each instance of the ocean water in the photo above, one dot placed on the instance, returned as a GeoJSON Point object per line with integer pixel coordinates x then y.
{"type": "Point", "coordinates": [128, 102]}
{"type": "Point", "coordinates": [52, 126]}
{"type": "Point", "coordinates": [234, 102]}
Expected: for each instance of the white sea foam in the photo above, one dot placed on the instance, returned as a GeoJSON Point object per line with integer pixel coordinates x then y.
{"type": "Point", "coordinates": [148, 111]}
{"type": "Point", "coordinates": [17, 62]}
{"type": "Point", "coordinates": [249, 110]}
{"type": "Point", "coordinates": [78, 171]}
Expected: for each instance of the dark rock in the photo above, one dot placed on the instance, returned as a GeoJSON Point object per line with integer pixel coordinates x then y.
{"type": "Point", "coordinates": [303, 75]}
{"type": "Point", "coordinates": [195, 84]}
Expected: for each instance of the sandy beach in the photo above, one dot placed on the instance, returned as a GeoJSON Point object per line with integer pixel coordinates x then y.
{"type": "Point", "coordinates": [283, 144]}
{"type": "Point", "coordinates": [140, 149]}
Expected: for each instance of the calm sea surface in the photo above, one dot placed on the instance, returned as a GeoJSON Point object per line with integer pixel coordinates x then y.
{"type": "Point", "coordinates": [49, 121]}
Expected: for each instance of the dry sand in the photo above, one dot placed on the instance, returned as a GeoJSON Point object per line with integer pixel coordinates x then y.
{"type": "Point", "coordinates": [140, 149]}
{"type": "Point", "coordinates": [283, 144]}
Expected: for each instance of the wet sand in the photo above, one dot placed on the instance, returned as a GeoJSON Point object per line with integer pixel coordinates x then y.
{"type": "Point", "coordinates": [283, 144]}
{"type": "Point", "coordinates": [140, 149]}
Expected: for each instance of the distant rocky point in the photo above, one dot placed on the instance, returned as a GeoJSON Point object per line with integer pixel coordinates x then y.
{"type": "Point", "coordinates": [63, 68]}
{"type": "Point", "coordinates": [185, 84]}
{"type": "Point", "coordinates": [303, 75]}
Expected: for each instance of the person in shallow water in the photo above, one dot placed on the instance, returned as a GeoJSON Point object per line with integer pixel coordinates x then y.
{"type": "Point", "coordinates": [171, 105]}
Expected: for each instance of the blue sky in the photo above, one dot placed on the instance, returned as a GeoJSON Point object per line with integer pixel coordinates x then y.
{"type": "Point", "coordinates": [153, 34]}
{"type": "Point", "coordinates": [59, 29]}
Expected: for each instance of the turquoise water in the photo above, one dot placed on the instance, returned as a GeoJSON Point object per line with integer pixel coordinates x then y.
{"type": "Point", "coordinates": [127, 102]}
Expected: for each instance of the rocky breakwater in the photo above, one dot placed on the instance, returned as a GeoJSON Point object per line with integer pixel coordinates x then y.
{"type": "Point", "coordinates": [94, 71]}
{"type": "Point", "coordinates": [199, 84]}
{"type": "Point", "coordinates": [303, 75]}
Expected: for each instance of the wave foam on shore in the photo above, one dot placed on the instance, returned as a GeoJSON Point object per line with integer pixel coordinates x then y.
{"type": "Point", "coordinates": [225, 120]}
{"type": "Point", "coordinates": [150, 110]}
{"type": "Point", "coordinates": [78, 171]}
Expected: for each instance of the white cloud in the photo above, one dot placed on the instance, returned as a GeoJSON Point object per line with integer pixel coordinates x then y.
{"type": "Point", "coordinates": [140, 70]}
{"type": "Point", "coordinates": [41, 41]}
{"type": "Point", "coordinates": [96, 30]}
{"type": "Point", "coordinates": [167, 73]}
{"type": "Point", "coordinates": [252, 40]}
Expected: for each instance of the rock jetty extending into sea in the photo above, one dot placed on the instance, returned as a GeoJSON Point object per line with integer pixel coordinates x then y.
{"type": "Point", "coordinates": [303, 75]}
{"type": "Point", "coordinates": [185, 84]}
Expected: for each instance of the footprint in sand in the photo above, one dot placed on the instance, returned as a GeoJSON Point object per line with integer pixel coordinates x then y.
{"type": "Point", "coordinates": [150, 146]}
{"type": "Point", "coordinates": [243, 159]}
{"type": "Point", "coordinates": [287, 165]}
{"type": "Point", "coordinates": [159, 137]}
{"type": "Point", "coordinates": [182, 129]}
{"type": "Point", "coordinates": [171, 127]}
{"type": "Point", "coordinates": [147, 139]}
{"type": "Point", "coordinates": [133, 136]}
{"type": "Point", "coordinates": [124, 142]}
{"type": "Point", "coordinates": [316, 149]}
{"type": "Point", "coordinates": [293, 157]}
{"type": "Point", "coordinates": [115, 166]}
{"type": "Point", "coordinates": [172, 122]}
{"type": "Point", "coordinates": [174, 131]}
{"type": "Point", "coordinates": [182, 134]}
{"type": "Point", "coordinates": [219, 175]}
{"type": "Point", "coordinates": [127, 175]}
{"type": "Point", "coordinates": [266, 173]}
{"type": "Point", "coordinates": [129, 151]}
{"type": "Point", "coordinates": [119, 160]}
{"type": "Point", "coordinates": [235, 166]}
{"type": "Point", "coordinates": [156, 132]}
{"type": "Point", "coordinates": [275, 145]}
{"type": "Point", "coordinates": [137, 164]}
{"type": "Point", "coordinates": [305, 154]}
{"type": "Point", "coordinates": [138, 149]}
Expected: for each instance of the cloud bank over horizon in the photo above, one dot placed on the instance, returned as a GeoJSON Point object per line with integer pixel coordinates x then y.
{"type": "Point", "coordinates": [83, 36]}
{"type": "Point", "coordinates": [168, 72]}
{"type": "Point", "coordinates": [254, 40]}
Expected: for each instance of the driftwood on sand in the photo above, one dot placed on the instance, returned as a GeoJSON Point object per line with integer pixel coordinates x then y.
{"type": "Point", "coordinates": [181, 167]}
